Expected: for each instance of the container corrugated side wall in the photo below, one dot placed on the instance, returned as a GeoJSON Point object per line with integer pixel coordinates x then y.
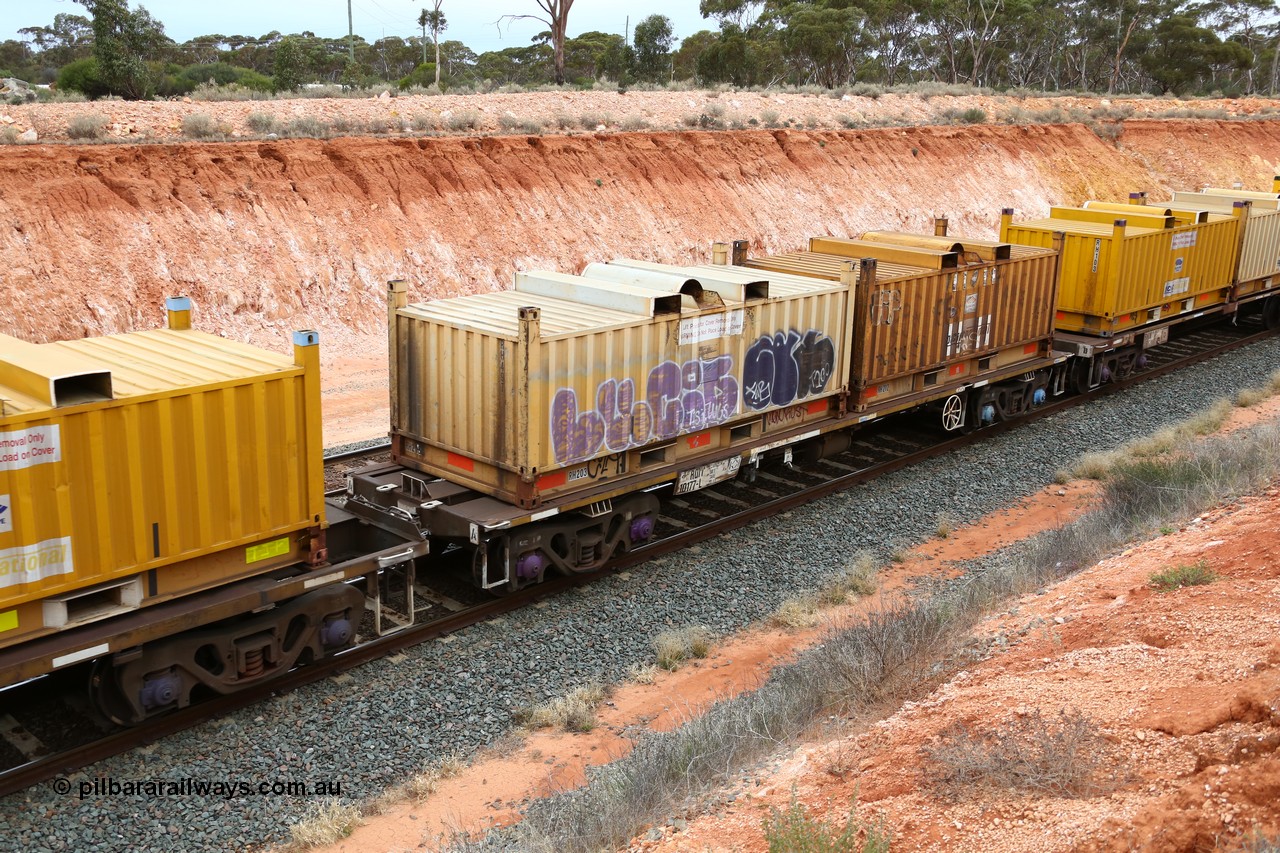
{"type": "Point", "coordinates": [457, 388]}
{"type": "Point", "coordinates": [142, 484]}
{"type": "Point", "coordinates": [1105, 278]}
{"type": "Point", "coordinates": [1260, 255]}
{"type": "Point", "coordinates": [1160, 267]}
{"type": "Point", "coordinates": [622, 389]}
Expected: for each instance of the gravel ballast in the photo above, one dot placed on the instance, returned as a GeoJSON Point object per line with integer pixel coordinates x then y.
{"type": "Point", "coordinates": [389, 719]}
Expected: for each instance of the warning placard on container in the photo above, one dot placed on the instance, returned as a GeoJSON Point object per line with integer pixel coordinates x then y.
{"type": "Point", "coordinates": [1183, 240]}
{"type": "Point", "coordinates": [6, 514]}
{"type": "Point", "coordinates": [31, 446]}
{"type": "Point", "coordinates": [710, 326]}
{"type": "Point", "coordinates": [28, 563]}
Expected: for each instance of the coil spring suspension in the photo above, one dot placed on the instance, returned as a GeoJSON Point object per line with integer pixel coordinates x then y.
{"type": "Point", "coordinates": [254, 663]}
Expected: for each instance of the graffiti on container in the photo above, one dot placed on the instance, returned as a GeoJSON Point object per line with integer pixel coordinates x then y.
{"type": "Point", "coordinates": [678, 398]}
{"type": "Point", "coordinates": [787, 366]}
{"type": "Point", "coordinates": [885, 307]}
{"type": "Point", "coordinates": [967, 335]}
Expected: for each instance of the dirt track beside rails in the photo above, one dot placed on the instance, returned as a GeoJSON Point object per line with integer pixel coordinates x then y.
{"type": "Point", "coordinates": [271, 236]}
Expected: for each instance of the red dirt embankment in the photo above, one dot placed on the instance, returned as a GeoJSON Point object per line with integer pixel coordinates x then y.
{"type": "Point", "coordinates": [270, 236]}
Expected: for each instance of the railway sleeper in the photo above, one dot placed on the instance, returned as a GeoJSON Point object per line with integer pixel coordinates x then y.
{"type": "Point", "coordinates": [162, 676]}
{"type": "Point", "coordinates": [574, 542]}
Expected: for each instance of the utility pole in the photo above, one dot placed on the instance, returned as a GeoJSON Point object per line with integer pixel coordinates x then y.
{"type": "Point", "coordinates": [351, 34]}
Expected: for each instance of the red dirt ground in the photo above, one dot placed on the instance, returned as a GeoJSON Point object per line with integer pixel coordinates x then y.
{"type": "Point", "coordinates": [1184, 688]}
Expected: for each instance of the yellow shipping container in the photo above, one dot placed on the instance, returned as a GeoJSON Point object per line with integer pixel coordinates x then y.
{"type": "Point", "coordinates": [1119, 276]}
{"type": "Point", "coordinates": [144, 465]}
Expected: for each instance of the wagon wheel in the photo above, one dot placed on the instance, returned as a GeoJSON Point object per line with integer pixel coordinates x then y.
{"type": "Point", "coordinates": [106, 695]}
{"type": "Point", "coordinates": [953, 413]}
{"type": "Point", "coordinates": [1271, 312]}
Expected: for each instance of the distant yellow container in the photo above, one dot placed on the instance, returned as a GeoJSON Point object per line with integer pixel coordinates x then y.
{"type": "Point", "coordinates": [143, 465]}
{"type": "Point", "coordinates": [1120, 276]}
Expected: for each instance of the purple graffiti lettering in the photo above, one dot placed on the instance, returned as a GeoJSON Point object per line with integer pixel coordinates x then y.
{"type": "Point", "coordinates": [626, 421]}
{"type": "Point", "coordinates": [678, 398]}
{"type": "Point", "coordinates": [574, 437]}
{"type": "Point", "coordinates": [784, 367]}
{"type": "Point", "coordinates": [663, 394]}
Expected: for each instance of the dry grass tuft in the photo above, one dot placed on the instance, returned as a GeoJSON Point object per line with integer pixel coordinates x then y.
{"type": "Point", "coordinates": [675, 647]}
{"type": "Point", "coordinates": [573, 712]}
{"type": "Point", "coordinates": [1056, 756]}
{"type": "Point", "coordinates": [331, 821]}
{"type": "Point", "coordinates": [642, 673]}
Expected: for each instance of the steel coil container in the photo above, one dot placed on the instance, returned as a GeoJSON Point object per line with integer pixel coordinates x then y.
{"type": "Point", "coordinates": [1118, 275]}
{"type": "Point", "coordinates": [567, 382]}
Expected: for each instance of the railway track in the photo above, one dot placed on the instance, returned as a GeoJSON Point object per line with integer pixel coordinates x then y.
{"type": "Point", "coordinates": [49, 728]}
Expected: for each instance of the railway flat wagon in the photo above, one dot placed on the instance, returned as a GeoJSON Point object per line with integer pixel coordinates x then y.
{"type": "Point", "coordinates": [568, 387]}
{"type": "Point", "coordinates": [162, 515]}
{"type": "Point", "coordinates": [940, 316]}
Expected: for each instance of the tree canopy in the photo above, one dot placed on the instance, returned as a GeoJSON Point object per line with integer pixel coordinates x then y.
{"type": "Point", "coordinates": [1155, 46]}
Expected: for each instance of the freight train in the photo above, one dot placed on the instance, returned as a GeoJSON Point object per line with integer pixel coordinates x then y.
{"type": "Point", "coordinates": [162, 516]}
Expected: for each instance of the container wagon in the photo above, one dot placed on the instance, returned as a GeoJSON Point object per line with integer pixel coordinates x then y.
{"type": "Point", "coordinates": [163, 482]}
{"type": "Point", "coordinates": [1128, 277]}
{"type": "Point", "coordinates": [537, 426]}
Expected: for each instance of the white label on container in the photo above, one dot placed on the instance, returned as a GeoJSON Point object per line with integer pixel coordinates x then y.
{"type": "Point", "coordinates": [6, 514]}
{"type": "Point", "coordinates": [1177, 285]}
{"type": "Point", "coordinates": [709, 326]}
{"type": "Point", "coordinates": [32, 446]}
{"type": "Point", "coordinates": [1178, 263]}
{"type": "Point", "coordinates": [1183, 240]}
{"type": "Point", "coordinates": [29, 563]}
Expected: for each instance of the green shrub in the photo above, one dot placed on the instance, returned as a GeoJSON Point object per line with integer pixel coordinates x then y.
{"type": "Point", "coordinates": [261, 122]}
{"type": "Point", "coordinates": [307, 127]}
{"type": "Point", "coordinates": [201, 126]}
{"type": "Point", "coordinates": [466, 120]}
{"type": "Point", "coordinates": [82, 76]}
{"type": "Point", "coordinates": [1196, 574]}
{"type": "Point", "coordinates": [795, 831]}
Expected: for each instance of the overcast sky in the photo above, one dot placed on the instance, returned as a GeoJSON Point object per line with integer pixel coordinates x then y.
{"type": "Point", "coordinates": [469, 21]}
